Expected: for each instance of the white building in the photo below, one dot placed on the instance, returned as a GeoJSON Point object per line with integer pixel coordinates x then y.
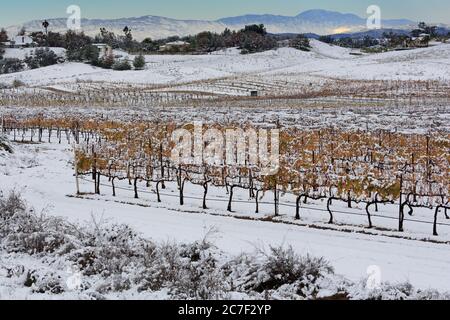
{"type": "Point", "coordinates": [21, 42]}
{"type": "Point", "coordinates": [180, 45]}
{"type": "Point", "coordinates": [104, 49]}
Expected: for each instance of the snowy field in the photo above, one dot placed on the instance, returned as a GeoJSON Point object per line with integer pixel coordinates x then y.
{"type": "Point", "coordinates": [401, 91]}
{"type": "Point", "coordinates": [327, 75]}
{"type": "Point", "coordinates": [43, 174]}
{"type": "Point", "coordinates": [347, 115]}
{"type": "Point", "coordinates": [324, 61]}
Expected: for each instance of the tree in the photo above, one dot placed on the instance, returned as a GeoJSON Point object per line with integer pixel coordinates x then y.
{"type": "Point", "coordinates": [300, 42]}
{"type": "Point", "coordinates": [108, 38]}
{"type": "Point", "coordinates": [139, 62]}
{"type": "Point", "coordinates": [45, 24]}
{"type": "Point", "coordinates": [39, 38]}
{"type": "Point", "coordinates": [3, 35]}
{"type": "Point", "coordinates": [91, 54]}
{"type": "Point", "coordinates": [229, 38]}
{"type": "Point", "coordinates": [423, 28]}
{"type": "Point", "coordinates": [326, 39]}
{"type": "Point", "coordinates": [10, 65]}
{"type": "Point", "coordinates": [148, 45]}
{"type": "Point", "coordinates": [257, 28]}
{"type": "Point", "coordinates": [22, 31]}
{"type": "Point", "coordinates": [207, 42]}
{"type": "Point", "coordinates": [368, 41]}
{"type": "Point", "coordinates": [107, 61]}
{"type": "Point", "coordinates": [128, 37]}
{"type": "Point", "coordinates": [75, 45]}
{"type": "Point", "coordinates": [122, 65]}
{"type": "Point", "coordinates": [41, 58]}
{"type": "Point", "coordinates": [395, 39]}
{"type": "Point", "coordinates": [125, 42]}
{"type": "Point", "coordinates": [251, 42]}
{"type": "Point", "coordinates": [3, 38]}
{"type": "Point", "coordinates": [55, 39]}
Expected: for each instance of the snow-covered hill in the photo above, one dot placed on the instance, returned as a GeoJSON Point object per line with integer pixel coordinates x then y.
{"type": "Point", "coordinates": [324, 60]}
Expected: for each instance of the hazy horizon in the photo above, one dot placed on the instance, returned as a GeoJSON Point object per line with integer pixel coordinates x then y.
{"type": "Point", "coordinates": [13, 13]}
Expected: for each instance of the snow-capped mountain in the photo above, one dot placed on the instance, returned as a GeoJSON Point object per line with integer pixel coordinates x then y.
{"type": "Point", "coordinates": [317, 21]}
{"type": "Point", "coordinates": [142, 27]}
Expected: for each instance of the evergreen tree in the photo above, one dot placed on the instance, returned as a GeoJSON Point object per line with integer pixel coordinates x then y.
{"type": "Point", "coordinates": [3, 38]}
{"type": "Point", "coordinates": [45, 25]}
{"type": "Point", "coordinates": [122, 65]}
{"type": "Point", "coordinates": [41, 58]}
{"type": "Point", "coordinates": [107, 61]}
{"type": "Point", "coordinates": [300, 42]}
{"type": "Point", "coordinates": [3, 35]}
{"type": "Point", "coordinates": [139, 62]}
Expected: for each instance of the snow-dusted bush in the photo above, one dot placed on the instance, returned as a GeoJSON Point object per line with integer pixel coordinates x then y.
{"type": "Point", "coordinates": [105, 249]}
{"type": "Point", "coordinates": [10, 206]}
{"type": "Point", "coordinates": [18, 83]}
{"type": "Point", "coordinates": [44, 282]}
{"type": "Point", "coordinates": [11, 65]}
{"type": "Point", "coordinates": [41, 58]}
{"type": "Point", "coordinates": [122, 65]}
{"type": "Point", "coordinates": [388, 291]}
{"type": "Point", "coordinates": [112, 259]}
{"type": "Point", "coordinates": [200, 276]}
{"type": "Point", "coordinates": [4, 144]}
{"type": "Point", "coordinates": [189, 271]}
{"type": "Point", "coordinates": [268, 272]}
{"type": "Point", "coordinates": [139, 62]}
{"type": "Point", "coordinates": [21, 230]}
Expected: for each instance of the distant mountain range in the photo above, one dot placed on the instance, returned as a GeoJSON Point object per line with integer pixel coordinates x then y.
{"type": "Point", "coordinates": [312, 21]}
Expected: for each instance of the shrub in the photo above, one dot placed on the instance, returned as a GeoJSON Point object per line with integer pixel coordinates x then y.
{"type": "Point", "coordinates": [90, 54]}
{"type": "Point", "coordinates": [87, 53]}
{"type": "Point", "coordinates": [122, 65]}
{"type": "Point", "coordinates": [252, 42]}
{"type": "Point", "coordinates": [41, 58]}
{"type": "Point", "coordinates": [9, 207]}
{"type": "Point", "coordinates": [44, 282]}
{"type": "Point", "coordinates": [113, 258]}
{"type": "Point", "coordinates": [200, 276]}
{"type": "Point", "coordinates": [4, 144]}
{"type": "Point", "coordinates": [190, 271]}
{"type": "Point", "coordinates": [10, 65]}
{"type": "Point", "coordinates": [268, 272]}
{"type": "Point", "coordinates": [300, 43]}
{"type": "Point", "coordinates": [106, 62]}
{"type": "Point", "coordinates": [17, 83]}
{"type": "Point", "coordinates": [21, 230]}
{"type": "Point", "coordinates": [139, 62]}
{"type": "Point", "coordinates": [161, 265]}
{"type": "Point", "coordinates": [106, 249]}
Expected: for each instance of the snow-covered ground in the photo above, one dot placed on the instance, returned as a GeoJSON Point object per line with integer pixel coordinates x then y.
{"type": "Point", "coordinates": [43, 174]}
{"type": "Point", "coordinates": [22, 53]}
{"type": "Point", "coordinates": [324, 60]}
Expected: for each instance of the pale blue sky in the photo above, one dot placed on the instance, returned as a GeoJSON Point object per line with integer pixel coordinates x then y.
{"type": "Point", "coordinates": [18, 11]}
